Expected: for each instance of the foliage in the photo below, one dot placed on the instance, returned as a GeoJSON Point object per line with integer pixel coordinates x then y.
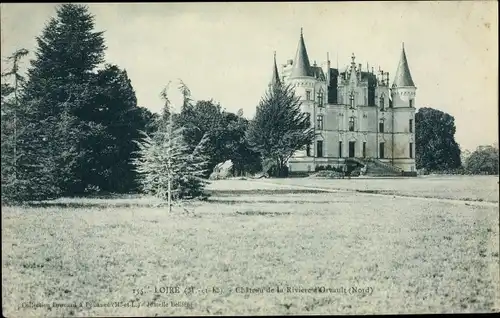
{"type": "Point", "coordinates": [158, 160]}
{"type": "Point", "coordinates": [10, 127]}
{"type": "Point", "coordinates": [78, 122]}
{"type": "Point", "coordinates": [484, 160]}
{"type": "Point", "coordinates": [225, 132]}
{"type": "Point", "coordinates": [279, 128]}
{"type": "Point", "coordinates": [435, 145]}
{"type": "Point", "coordinates": [165, 155]}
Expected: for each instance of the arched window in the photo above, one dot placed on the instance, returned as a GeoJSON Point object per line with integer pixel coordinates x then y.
{"type": "Point", "coordinates": [351, 97]}
{"type": "Point", "coordinates": [382, 105]}
{"type": "Point", "coordinates": [381, 126]}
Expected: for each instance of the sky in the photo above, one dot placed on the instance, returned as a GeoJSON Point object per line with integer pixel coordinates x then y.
{"type": "Point", "coordinates": [224, 51]}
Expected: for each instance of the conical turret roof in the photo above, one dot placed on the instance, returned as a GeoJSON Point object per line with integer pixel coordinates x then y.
{"type": "Point", "coordinates": [275, 80]}
{"type": "Point", "coordinates": [403, 75]}
{"type": "Point", "coordinates": [301, 65]}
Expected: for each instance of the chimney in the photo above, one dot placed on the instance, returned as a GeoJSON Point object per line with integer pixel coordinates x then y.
{"type": "Point", "coordinates": [327, 68]}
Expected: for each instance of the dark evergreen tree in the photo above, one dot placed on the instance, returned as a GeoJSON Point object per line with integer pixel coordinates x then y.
{"type": "Point", "coordinates": [435, 145]}
{"type": "Point", "coordinates": [279, 128]}
{"type": "Point", "coordinates": [83, 120]}
{"type": "Point", "coordinates": [60, 89]}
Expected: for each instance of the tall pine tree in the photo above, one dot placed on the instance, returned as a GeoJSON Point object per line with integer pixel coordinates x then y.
{"type": "Point", "coordinates": [59, 89]}
{"type": "Point", "coordinates": [82, 119]}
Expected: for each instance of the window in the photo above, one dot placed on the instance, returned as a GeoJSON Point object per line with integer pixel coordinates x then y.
{"type": "Point", "coordinates": [411, 150]}
{"type": "Point", "coordinates": [381, 150]}
{"type": "Point", "coordinates": [320, 122]}
{"type": "Point", "coordinates": [381, 126]}
{"type": "Point", "coordinates": [364, 149]}
{"type": "Point", "coordinates": [308, 95]}
{"type": "Point", "coordinates": [411, 125]}
{"type": "Point", "coordinates": [320, 98]}
{"type": "Point", "coordinates": [351, 97]}
{"type": "Point", "coordinates": [411, 102]}
{"type": "Point", "coordinates": [340, 149]}
{"type": "Point", "coordinates": [308, 150]}
{"type": "Point", "coordinates": [382, 105]}
{"type": "Point", "coordinates": [319, 148]}
{"type": "Point", "coordinates": [351, 124]}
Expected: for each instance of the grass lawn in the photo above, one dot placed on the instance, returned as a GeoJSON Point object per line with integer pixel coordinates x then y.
{"type": "Point", "coordinates": [469, 188]}
{"type": "Point", "coordinates": [363, 254]}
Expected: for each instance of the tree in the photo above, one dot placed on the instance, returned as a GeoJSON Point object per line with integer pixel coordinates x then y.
{"type": "Point", "coordinates": [169, 169]}
{"type": "Point", "coordinates": [120, 120]}
{"type": "Point", "coordinates": [91, 114]}
{"type": "Point", "coordinates": [237, 149]}
{"type": "Point", "coordinates": [59, 90]}
{"type": "Point", "coordinates": [279, 128]}
{"type": "Point", "coordinates": [435, 145]}
{"type": "Point", "coordinates": [484, 160]}
{"type": "Point", "coordinates": [10, 112]}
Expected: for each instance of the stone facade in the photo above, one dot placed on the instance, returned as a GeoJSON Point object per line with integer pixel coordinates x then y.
{"type": "Point", "coordinates": [355, 112]}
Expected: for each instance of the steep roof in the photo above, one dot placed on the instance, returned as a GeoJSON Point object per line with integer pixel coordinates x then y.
{"type": "Point", "coordinates": [301, 65]}
{"type": "Point", "coordinates": [318, 73]}
{"type": "Point", "coordinates": [275, 79]}
{"type": "Point", "coordinates": [403, 76]}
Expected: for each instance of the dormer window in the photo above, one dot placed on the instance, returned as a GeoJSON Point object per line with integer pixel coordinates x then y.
{"type": "Point", "coordinates": [351, 98]}
{"type": "Point", "coordinates": [382, 105]}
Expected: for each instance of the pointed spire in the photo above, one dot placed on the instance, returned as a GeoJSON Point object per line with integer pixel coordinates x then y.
{"type": "Point", "coordinates": [301, 66]}
{"type": "Point", "coordinates": [403, 76]}
{"type": "Point", "coordinates": [275, 80]}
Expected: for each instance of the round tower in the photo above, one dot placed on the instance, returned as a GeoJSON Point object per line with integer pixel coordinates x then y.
{"type": "Point", "coordinates": [403, 93]}
{"type": "Point", "coordinates": [403, 88]}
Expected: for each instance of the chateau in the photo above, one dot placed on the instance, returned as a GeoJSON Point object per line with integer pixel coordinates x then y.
{"type": "Point", "coordinates": [358, 116]}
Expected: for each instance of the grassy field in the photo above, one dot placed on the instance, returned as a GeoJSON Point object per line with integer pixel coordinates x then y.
{"type": "Point", "coordinates": [362, 253]}
{"type": "Point", "coordinates": [469, 188]}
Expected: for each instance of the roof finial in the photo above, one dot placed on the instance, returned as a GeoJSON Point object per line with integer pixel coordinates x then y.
{"type": "Point", "coordinates": [275, 55]}
{"type": "Point", "coordinates": [301, 31]}
{"type": "Point", "coordinates": [403, 43]}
